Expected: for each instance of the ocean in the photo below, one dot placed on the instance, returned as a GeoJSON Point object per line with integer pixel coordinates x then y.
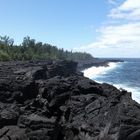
{"type": "Point", "coordinates": [124, 75]}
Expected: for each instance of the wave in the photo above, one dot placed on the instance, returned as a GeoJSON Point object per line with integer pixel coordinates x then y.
{"type": "Point", "coordinates": [93, 72]}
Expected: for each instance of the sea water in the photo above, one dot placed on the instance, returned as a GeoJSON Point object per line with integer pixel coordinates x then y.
{"type": "Point", "coordinates": [124, 75]}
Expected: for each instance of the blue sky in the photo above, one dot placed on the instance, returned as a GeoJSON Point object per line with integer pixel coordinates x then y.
{"type": "Point", "coordinates": [104, 28]}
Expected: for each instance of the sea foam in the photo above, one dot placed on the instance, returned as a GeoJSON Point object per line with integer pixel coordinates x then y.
{"type": "Point", "coordinates": [93, 72]}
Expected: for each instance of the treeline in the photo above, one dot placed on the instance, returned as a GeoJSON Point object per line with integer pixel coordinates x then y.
{"type": "Point", "coordinates": [29, 49]}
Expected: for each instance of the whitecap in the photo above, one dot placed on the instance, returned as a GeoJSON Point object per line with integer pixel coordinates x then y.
{"type": "Point", "coordinates": [93, 72]}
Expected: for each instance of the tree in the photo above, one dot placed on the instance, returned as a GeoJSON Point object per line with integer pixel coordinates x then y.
{"type": "Point", "coordinates": [30, 50]}
{"type": "Point", "coordinates": [27, 42]}
{"type": "Point", "coordinates": [6, 40]}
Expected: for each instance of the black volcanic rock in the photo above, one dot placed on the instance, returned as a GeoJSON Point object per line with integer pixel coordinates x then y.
{"type": "Point", "coordinates": [50, 101]}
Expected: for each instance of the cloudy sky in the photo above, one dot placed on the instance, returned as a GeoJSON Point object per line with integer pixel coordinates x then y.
{"type": "Point", "coordinates": [104, 28]}
{"type": "Point", "coordinates": [120, 34]}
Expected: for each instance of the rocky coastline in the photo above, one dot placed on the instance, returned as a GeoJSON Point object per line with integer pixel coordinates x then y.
{"type": "Point", "coordinates": [52, 100]}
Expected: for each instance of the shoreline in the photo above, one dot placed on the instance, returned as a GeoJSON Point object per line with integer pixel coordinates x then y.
{"type": "Point", "coordinates": [93, 73]}
{"type": "Point", "coordinates": [97, 62]}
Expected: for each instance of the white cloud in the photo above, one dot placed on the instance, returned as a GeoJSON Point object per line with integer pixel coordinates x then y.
{"type": "Point", "coordinates": [121, 39]}
{"type": "Point", "coordinates": [130, 5]}
{"type": "Point", "coordinates": [116, 35]}
{"type": "Point", "coordinates": [130, 9]}
{"type": "Point", "coordinates": [112, 2]}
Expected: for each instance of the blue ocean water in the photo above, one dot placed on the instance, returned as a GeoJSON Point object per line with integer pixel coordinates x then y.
{"type": "Point", "coordinates": [124, 75]}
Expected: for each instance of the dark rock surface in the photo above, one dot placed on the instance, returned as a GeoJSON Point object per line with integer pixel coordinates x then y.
{"type": "Point", "coordinates": [51, 101]}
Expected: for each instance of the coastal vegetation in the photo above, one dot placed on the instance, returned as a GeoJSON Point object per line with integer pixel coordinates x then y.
{"type": "Point", "coordinates": [30, 49]}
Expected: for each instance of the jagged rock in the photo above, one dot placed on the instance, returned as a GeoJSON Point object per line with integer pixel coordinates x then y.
{"type": "Point", "coordinates": [50, 100]}
{"type": "Point", "coordinates": [11, 133]}
{"type": "Point", "coordinates": [35, 122]}
{"type": "Point", "coordinates": [9, 114]}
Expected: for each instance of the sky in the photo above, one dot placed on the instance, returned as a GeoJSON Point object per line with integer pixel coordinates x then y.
{"type": "Point", "coordinates": [104, 28]}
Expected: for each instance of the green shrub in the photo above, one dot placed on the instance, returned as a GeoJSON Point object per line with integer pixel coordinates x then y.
{"type": "Point", "coordinates": [4, 56]}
